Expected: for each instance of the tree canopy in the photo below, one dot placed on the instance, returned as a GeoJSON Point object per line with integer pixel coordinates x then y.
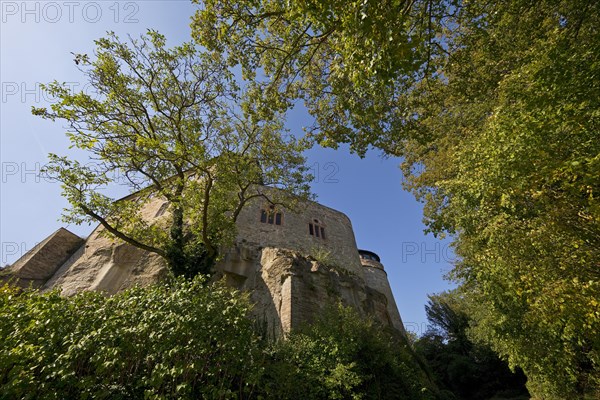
{"type": "Point", "coordinates": [351, 63]}
{"type": "Point", "coordinates": [470, 370]}
{"type": "Point", "coordinates": [494, 108]}
{"type": "Point", "coordinates": [167, 123]}
{"type": "Point", "coordinates": [511, 168]}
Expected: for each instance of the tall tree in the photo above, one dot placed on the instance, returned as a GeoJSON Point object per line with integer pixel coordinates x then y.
{"type": "Point", "coordinates": [350, 62]}
{"type": "Point", "coordinates": [511, 168]}
{"type": "Point", "coordinates": [470, 370]}
{"type": "Point", "coordinates": [494, 107]}
{"type": "Point", "coordinates": [167, 123]}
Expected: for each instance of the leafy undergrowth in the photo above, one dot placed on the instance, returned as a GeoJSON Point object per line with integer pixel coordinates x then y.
{"type": "Point", "coordinates": [190, 340]}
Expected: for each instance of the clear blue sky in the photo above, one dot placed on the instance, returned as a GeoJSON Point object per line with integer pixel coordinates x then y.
{"type": "Point", "coordinates": [36, 41]}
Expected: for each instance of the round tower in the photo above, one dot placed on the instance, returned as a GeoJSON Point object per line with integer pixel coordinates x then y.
{"type": "Point", "coordinates": [376, 279]}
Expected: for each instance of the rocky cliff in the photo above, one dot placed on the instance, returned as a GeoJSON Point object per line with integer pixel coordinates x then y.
{"type": "Point", "coordinates": [289, 289]}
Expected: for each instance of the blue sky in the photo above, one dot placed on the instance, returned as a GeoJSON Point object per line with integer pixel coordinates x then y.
{"type": "Point", "coordinates": [36, 41]}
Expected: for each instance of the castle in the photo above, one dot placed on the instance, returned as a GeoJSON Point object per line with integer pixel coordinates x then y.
{"type": "Point", "coordinates": [293, 263]}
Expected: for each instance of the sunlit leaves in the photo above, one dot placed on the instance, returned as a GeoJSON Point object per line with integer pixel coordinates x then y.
{"type": "Point", "coordinates": [510, 168]}
{"type": "Point", "coordinates": [188, 340]}
{"type": "Point", "coordinates": [168, 123]}
{"type": "Point", "coordinates": [467, 368]}
{"type": "Point", "coordinates": [343, 356]}
{"type": "Point", "coordinates": [351, 63]}
{"type": "Point", "coordinates": [182, 340]}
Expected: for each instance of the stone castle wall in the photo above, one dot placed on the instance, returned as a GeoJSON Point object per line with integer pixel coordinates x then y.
{"type": "Point", "coordinates": [290, 289]}
{"type": "Point", "coordinates": [376, 279]}
{"type": "Point", "coordinates": [339, 244]}
{"type": "Point", "coordinates": [291, 274]}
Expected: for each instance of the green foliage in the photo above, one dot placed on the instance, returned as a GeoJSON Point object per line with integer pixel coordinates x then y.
{"type": "Point", "coordinates": [167, 123]}
{"type": "Point", "coordinates": [322, 255]}
{"type": "Point", "coordinates": [510, 166]}
{"type": "Point", "coordinates": [188, 340]}
{"type": "Point", "coordinates": [494, 107]}
{"type": "Point", "coordinates": [469, 370]}
{"type": "Point", "coordinates": [342, 356]}
{"type": "Point", "coordinates": [350, 62]}
{"type": "Point", "coordinates": [181, 340]}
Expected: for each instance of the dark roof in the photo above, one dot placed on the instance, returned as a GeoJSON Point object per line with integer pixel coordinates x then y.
{"type": "Point", "coordinates": [370, 253]}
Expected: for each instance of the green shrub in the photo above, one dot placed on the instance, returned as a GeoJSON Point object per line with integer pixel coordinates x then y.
{"type": "Point", "coordinates": [189, 340]}
{"type": "Point", "coordinates": [343, 356]}
{"type": "Point", "coordinates": [178, 340]}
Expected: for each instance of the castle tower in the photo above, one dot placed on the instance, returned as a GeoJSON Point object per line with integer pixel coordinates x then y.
{"type": "Point", "coordinates": [376, 279]}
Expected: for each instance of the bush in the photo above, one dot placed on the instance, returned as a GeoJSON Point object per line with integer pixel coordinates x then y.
{"type": "Point", "coordinates": [343, 356]}
{"type": "Point", "coordinates": [178, 340]}
{"type": "Point", "coordinates": [188, 340]}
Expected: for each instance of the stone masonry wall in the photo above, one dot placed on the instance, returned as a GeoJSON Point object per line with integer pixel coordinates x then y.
{"type": "Point", "coordinates": [376, 279]}
{"type": "Point", "coordinates": [339, 244]}
{"type": "Point", "coordinates": [290, 275]}
{"type": "Point", "coordinates": [290, 289]}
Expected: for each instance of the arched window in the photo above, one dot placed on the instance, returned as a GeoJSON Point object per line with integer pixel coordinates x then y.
{"type": "Point", "coordinates": [316, 228]}
{"type": "Point", "coordinates": [270, 215]}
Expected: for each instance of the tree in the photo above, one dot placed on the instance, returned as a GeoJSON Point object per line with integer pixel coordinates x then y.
{"type": "Point", "coordinates": [177, 340]}
{"type": "Point", "coordinates": [350, 62]}
{"type": "Point", "coordinates": [494, 107]}
{"type": "Point", "coordinates": [511, 169]}
{"type": "Point", "coordinates": [342, 355]}
{"type": "Point", "coordinates": [470, 370]}
{"type": "Point", "coordinates": [183, 339]}
{"type": "Point", "coordinates": [167, 123]}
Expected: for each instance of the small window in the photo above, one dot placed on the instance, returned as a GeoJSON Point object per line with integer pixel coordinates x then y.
{"type": "Point", "coordinates": [162, 209]}
{"type": "Point", "coordinates": [316, 229]}
{"type": "Point", "coordinates": [271, 216]}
